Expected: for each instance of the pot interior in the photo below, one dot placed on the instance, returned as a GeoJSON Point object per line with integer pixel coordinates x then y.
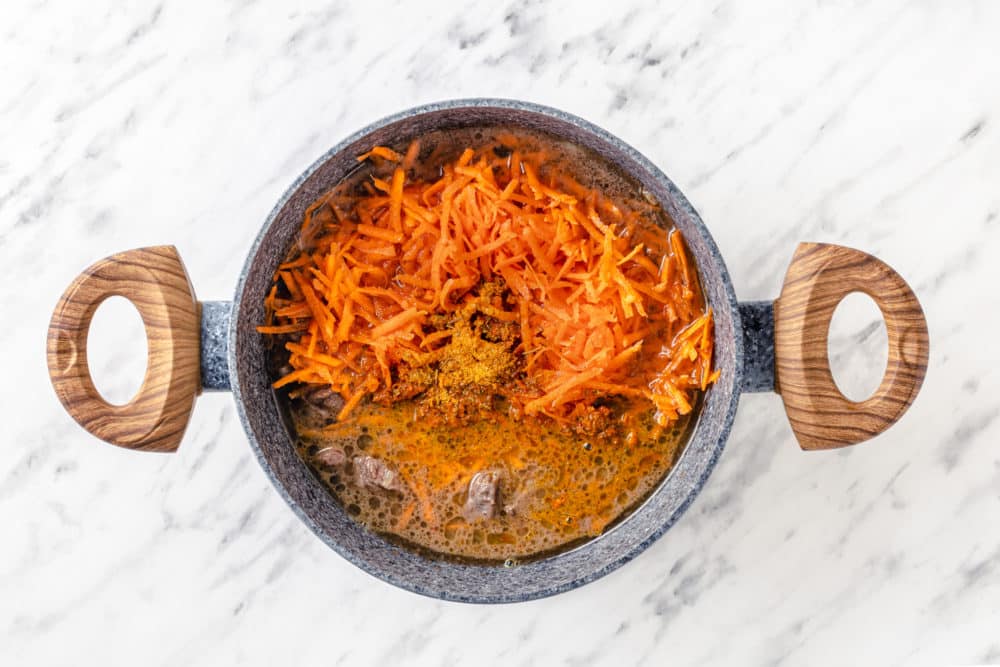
{"type": "Point", "coordinates": [273, 444]}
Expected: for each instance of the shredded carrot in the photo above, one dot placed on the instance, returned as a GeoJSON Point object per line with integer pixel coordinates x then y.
{"type": "Point", "coordinates": [411, 154]}
{"type": "Point", "coordinates": [396, 199]}
{"type": "Point", "coordinates": [294, 327]}
{"type": "Point", "coordinates": [426, 507]}
{"type": "Point", "coordinates": [382, 152]}
{"type": "Point", "coordinates": [405, 516]}
{"type": "Point", "coordinates": [352, 401]}
{"type": "Point", "coordinates": [379, 233]}
{"type": "Point", "coordinates": [396, 322]}
{"type": "Point", "coordinates": [604, 305]}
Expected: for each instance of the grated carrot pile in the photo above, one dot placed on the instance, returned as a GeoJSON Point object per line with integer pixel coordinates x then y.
{"type": "Point", "coordinates": [605, 305]}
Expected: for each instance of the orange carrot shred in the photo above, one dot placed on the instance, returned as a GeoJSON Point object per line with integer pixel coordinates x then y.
{"type": "Point", "coordinates": [411, 154]}
{"type": "Point", "coordinates": [293, 327]}
{"type": "Point", "coordinates": [405, 516]}
{"type": "Point", "coordinates": [396, 200]}
{"type": "Point", "coordinates": [382, 152]}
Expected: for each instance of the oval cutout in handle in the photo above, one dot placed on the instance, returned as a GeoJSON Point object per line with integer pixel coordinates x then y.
{"type": "Point", "coordinates": [819, 277]}
{"type": "Point", "coordinates": [155, 281]}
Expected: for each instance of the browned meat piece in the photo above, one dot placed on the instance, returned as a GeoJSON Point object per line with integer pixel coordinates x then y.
{"type": "Point", "coordinates": [373, 472]}
{"type": "Point", "coordinates": [331, 456]}
{"type": "Point", "coordinates": [597, 423]}
{"type": "Point", "coordinates": [481, 503]}
{"type": "Point", "coordinates": [324, 398]}
{"type": "Point", "coordinates": [517, 502]}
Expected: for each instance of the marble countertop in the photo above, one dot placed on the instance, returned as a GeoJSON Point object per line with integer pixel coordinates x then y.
{"type": "Point", "coordinates": [869, 124]}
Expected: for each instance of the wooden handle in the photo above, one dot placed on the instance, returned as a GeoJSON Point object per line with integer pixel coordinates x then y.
{"type": "Point", "coordinates": [155, 281]}
{"type": "Point", "coordinates": [819, 277]}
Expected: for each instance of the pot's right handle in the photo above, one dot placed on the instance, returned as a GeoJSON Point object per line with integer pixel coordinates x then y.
{"type": "Point", "coordinates": [818, 278]}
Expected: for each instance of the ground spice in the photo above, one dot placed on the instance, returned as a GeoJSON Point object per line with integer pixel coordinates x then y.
{"type": "Point", "coordinates": [476, 364]}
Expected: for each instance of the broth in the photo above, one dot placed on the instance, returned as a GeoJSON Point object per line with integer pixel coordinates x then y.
{"type": "Point", "coordinates": [556, 489]}
{"type": "Point", "coordinates": [448, 458]}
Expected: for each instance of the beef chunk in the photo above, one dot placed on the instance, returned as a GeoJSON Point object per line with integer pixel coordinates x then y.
{"type": "Point", "coordinates": [331, 456]}
{"type": "Point", "coordinates": [517, 502]}
{"type": "Point", "coordinates": [372, 472]}
{"type": "Point", "coordinates": [324, 398]}
{"type": "Point", "coordinates": [481, 503]}
{"type": "Point", "coordinates": [597, 423]}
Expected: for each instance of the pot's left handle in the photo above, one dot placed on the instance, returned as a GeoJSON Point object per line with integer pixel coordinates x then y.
{"type": "Point", "coordinates": [155, 281]}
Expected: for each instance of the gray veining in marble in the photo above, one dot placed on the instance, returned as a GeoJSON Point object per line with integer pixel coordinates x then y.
{"type": "Point", "coordinates": [874, 124]}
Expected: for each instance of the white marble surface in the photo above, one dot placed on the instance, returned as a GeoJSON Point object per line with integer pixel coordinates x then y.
{"type": "Point", "coordinates": [871, 124]}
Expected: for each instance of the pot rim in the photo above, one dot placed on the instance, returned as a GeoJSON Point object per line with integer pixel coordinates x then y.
{"type": "Point", "coordinates": [733, 384]}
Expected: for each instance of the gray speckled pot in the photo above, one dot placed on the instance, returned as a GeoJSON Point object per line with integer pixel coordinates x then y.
{"type": "Point", "coordinates": [233, 356]}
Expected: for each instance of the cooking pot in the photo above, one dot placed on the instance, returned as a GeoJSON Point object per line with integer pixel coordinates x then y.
{"type": "Point", "coordinates": [778, 346]}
